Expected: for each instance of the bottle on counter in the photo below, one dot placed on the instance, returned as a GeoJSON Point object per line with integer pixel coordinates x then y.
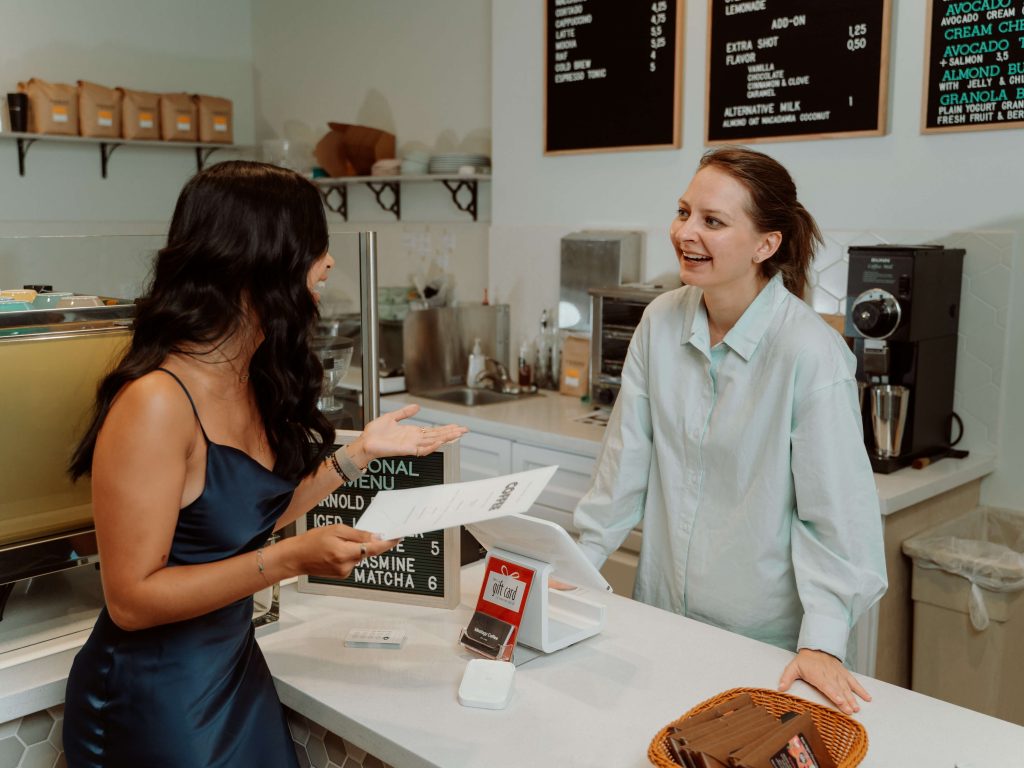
{"type": "Point", "coordinates": [476, 365]}
{"type": "Point", "coordinates": [525, 371]}
{"type": "Point", "coordinates": [542, 369]}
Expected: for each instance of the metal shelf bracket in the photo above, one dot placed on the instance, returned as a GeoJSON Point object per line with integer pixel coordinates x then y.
{"type": "Point", "coordinates": [202, 155]}
{"type": "Point", "coordinates": [341, 190]}
{"type": "Point", "coordinates": [455, 187]}
{"type": "Point", "coordinates": [106, 150]}
{"type": "Point", "coordinates": [378, 189]}
{"type": "Point", "coordinates": [23, 145]}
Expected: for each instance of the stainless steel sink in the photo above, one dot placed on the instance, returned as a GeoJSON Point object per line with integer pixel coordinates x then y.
{"type": "Point", "coordinates": [470, 396]}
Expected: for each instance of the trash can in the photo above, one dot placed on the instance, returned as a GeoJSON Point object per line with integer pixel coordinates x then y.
{"type": "Point", "coordinates": [968, 592]}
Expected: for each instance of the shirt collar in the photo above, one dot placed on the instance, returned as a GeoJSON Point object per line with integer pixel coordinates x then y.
{"type": "Point", "coordinates": [743, 337]}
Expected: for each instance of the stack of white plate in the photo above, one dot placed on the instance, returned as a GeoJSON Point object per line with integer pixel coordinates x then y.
{"type": "Point", "coordinates": [452, 162]}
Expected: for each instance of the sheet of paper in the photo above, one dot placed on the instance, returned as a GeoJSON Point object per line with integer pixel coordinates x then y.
{"type": "Point", "coordinates": [409, 511]}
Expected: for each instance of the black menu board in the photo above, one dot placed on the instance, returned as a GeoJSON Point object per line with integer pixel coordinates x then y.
{"type": "Point", "coordinates": [422, 569]}
{"type": "Point", "coordinates": [613, 78]}
{"type": "Point", "coordinates": [796, 69]}
{"type": "Point", "coordinates": [974, 65]}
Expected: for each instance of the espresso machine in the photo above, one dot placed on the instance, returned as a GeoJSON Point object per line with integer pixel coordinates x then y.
{"type": "Point", "coordinates": [903, 311]}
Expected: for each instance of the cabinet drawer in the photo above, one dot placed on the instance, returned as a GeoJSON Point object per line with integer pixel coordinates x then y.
{"type": "Point", "coordinates": [483, 456]}
{"type": "Point", "coordinates": [570, 482]}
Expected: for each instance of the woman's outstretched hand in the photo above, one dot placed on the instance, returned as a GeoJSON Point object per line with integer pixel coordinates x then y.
{"type": "Point", "coordinates": [826, 673]}
{"type": "Point", "coordinates": [386, 436]}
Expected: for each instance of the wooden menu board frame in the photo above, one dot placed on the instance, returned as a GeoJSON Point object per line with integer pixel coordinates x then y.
{"type": "Point", "coordinates": [986, 59]}
{"type": "Point", "coordinates": [790, 15]}
{"type": "Point", "coordinates": [403, 574]}
{"type": "Point", "coordinates": [610, 109]}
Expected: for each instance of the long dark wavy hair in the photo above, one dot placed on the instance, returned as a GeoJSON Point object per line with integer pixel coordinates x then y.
{"type": "Point", "coordinates": [774, 207]}
{"type": "Point", "coordinates": [242, 240]}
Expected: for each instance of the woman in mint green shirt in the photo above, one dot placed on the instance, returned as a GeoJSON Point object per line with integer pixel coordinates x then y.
{"type": "Point", "coordinates": [737, 438]}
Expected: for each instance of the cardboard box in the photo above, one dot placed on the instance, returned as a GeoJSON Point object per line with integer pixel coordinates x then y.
{"type": "Point", "coordinates": [52, 107]}
{"type": "Point", "coordinates": [215, 119]}
{"type": "Point", "coordinates": [99, 110]}
{"type": "Point", "coordinates": [575, 376]}
{"type": "Point", "coordinates": [178, 117]}
{"type": "Point", "coordinates": [140, 114]}
{"type": "Point", "coordinates": [351, 150]}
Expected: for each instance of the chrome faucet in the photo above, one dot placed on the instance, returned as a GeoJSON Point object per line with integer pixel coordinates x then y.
{"type": "Point", "coordinates": [496, 376]}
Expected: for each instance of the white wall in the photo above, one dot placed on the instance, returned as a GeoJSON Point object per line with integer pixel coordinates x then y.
{"type": "Point", "coordinates": [901, 183]}
{"type": "Point", "coordinates": [420, 70]}
{"type": "Point", "coordinates": [189, 45]}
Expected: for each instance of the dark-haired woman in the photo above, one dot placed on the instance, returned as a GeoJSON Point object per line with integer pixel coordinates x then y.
{"type": "Point", "coordinates": [206, 438]}
{"type": "Point", "coordinates": [736, 436]}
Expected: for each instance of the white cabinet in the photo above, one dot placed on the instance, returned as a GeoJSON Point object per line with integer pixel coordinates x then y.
{"type": "Point", "coordinates": [565, 489]}
{"type": "Point", "coordinates": [487, 455]}
{"type": "Point", "coordinates": [483, 456]}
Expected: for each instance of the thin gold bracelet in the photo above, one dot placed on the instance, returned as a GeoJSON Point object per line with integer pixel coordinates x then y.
{"type": "Point", "coordinates": [259, 564]}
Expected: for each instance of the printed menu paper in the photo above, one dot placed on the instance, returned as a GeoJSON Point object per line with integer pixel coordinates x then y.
{"type": "Point", "coordinates": [410, 511]}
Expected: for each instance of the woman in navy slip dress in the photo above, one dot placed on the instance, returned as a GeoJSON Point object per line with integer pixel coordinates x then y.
{"type": "Point", "coordinates": [206, 439]}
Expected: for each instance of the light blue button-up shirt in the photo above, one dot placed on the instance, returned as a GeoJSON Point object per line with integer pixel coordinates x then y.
{"type": "Point", "coordinates": [746, 463]}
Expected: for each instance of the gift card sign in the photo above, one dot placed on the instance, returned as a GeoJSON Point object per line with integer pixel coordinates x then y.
{"type": "Point", "coordinates": [499, 611]}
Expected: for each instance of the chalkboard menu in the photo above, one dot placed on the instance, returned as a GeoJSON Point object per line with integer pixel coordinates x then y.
{"type": "Point", "coordinates": [422, 569]}
{"type": "Point", "coordinates": [796, 69]}
{"type": "Point", "coordinates": [613, 76]}
{"type": "Point", "coordinates": [974, 65]}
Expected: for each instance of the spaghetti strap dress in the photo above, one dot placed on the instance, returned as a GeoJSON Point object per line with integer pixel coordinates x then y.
{"type": "Point", "coordinates": [194, 693]}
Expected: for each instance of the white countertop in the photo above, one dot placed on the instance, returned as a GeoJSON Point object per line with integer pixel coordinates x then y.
{"type": "Point", "coordinates": [549, 419]}
{"type": "Point", "coordinates": [598, 702]}
{"type": "Point", "coordinates": [595, 703]}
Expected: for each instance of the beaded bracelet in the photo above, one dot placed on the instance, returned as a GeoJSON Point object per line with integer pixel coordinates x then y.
{"type": "Point", "coordinates": [344, 466]}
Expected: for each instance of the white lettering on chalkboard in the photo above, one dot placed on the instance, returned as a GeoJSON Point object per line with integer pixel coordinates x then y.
{"type": "Point", "coordinates": [383, 579]}
{"type": "Point", "coordinates": [744, 6]}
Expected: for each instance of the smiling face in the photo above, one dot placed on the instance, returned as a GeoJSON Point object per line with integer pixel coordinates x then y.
{"type": "Point", "coordinates": [318, 274]}
{"type": "Point", "coordinates": [715, 240]}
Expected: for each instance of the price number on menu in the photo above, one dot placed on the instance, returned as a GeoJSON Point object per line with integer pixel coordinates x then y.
{"type": "Point", "coordinates": [857, 41]}
{"type": "Point", "coordinates": [659, 17]}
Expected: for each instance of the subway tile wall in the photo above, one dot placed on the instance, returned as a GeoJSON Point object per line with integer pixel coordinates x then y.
{"type": "Point", "coordinates": [36, 741]}
{"type": "Point", "coordinates": [984, 311]}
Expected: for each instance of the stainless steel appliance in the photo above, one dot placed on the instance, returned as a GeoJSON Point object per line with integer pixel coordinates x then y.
{"type": "Point", "coordinates": [616, 313]}
{"type": "Point", "coordinates": [51, 361]}
{"type": "Point", "coordinates": [437, 343]}
{"type": "Point", "coordinates": [593, 259]}
{"type": "Point", "coordinates": [903, 312]}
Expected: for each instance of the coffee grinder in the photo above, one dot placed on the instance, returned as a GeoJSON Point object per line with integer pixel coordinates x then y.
{"type": "Point", "coordinates": [903, 310]}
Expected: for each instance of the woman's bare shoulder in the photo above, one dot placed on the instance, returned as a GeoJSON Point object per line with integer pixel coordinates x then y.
{"type": "Point", "coordinates": [154, 401]}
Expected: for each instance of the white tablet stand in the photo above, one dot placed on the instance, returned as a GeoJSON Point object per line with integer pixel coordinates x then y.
{"type": "Point", "coordinates": [553, 618]}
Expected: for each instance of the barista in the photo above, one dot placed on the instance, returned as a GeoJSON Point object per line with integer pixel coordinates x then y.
{"type": "Point", "coordinates": [736, 436]}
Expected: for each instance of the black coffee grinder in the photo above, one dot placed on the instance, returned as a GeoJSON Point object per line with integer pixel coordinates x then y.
{"type": "Point", "coordinates": [902, 312]}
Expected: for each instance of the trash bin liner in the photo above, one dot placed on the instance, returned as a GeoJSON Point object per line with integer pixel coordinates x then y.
{"type": "Point", "coordinates": [985, 546]}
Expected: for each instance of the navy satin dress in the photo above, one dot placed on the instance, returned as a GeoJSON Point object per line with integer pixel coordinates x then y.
{"type": "Point", "coordinates": [194, 693]}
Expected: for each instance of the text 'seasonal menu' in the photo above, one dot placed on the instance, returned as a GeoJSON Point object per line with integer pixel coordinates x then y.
{"type": "Point", "coordinates": [788, 69]}
{"type": "Point", "coordinates": [974, 71]}
{"type": "Point", "coordinates": [612, 74]}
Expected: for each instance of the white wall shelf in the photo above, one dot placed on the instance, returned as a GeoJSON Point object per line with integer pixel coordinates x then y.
{"type": "Point", "coordinates": [203, 150]}
{"type": "Point", "coordinates": [463, 189]}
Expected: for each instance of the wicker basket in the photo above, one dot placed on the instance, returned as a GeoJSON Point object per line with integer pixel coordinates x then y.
{"type": "Point", "coordinates": [845, 738]}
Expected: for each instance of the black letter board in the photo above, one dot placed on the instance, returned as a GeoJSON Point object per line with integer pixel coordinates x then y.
{"type": "Point", "coordinates": [780, 70]}
{"type": "Point", "coordinates": [422, 569]}
{"type": "Point", "coordinates": [973, 66]}
{"type": "Point", "coordinates": [613, 75]}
